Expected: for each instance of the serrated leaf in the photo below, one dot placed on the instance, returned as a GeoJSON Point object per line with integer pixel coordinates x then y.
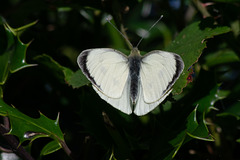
{"type": "Point", "coordinates": [190, 43]}
{"type": "Point", "coordinates": [17, 54]}
{"type": "Point", "coordinates": [192, 123]}
{"type": "Point", "coordinates": [51, 147]}
{"type": "Point", "coordinates": [18, 31]}
{"type": "Point", "coordinates": [201, 131]}
{"type": "Point", "coordinates": [13, 58]}
{"type": "Point", "coordinates": [194, 129]}
{"type": "Point", "coordinates": [27, 128]}
{"type": "Point", "coordinates": [206, 103]}
{"type": "Point", "coordinates": [4, 57]}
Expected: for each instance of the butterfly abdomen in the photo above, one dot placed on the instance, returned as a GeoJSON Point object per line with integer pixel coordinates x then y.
{"type": "Point", "coordinates": [134, 71]}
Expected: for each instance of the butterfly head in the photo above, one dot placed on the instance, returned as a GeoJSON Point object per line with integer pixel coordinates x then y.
{"type": "Point", "coordinates": [135, 52]}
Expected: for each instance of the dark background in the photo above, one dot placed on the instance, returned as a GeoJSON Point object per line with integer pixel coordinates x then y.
{"type": "Point", "coordinates": [67, 27]}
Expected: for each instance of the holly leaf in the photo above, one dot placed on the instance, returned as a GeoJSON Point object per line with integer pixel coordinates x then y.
{"type": "Point", "coordinates": [51, 147]}
{"type": "Point", "coordinates": [196, 126]}
{"type": "Point", "coordinates": [190, 43]}
{"type": "Point", "coordinates": [27, 128]}
{"type": "Point", "coordinates": [198, 129]}
{"type": "Point", "coordinates": [13, 57]}
{"type": "Point", "coordinates": [207, 103]}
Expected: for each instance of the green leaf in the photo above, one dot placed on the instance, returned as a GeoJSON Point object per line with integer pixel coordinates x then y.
{"type": "Point", "coordinates": [207, 103]}
{"type": "Point", "coordinates": [190, 43]}
{"type": "Point", "coordinates": [201, 131]}
{"type": "Point", "coordinates": [27, 128]}
{"type": "Point", "coordinates": [176, 143]}
{"type": "Point", "coordinates": [18, 31]}
{"type": "Point", "coordinates": [61, 73]}
{"type": "Point", "coordinates": [112, 156]}
{"type": "Point", "coordinates": [64, 74]}
{"type": "Point", "coordinates": [51, 147]}
{"type": "Point", "coordinates": [1, 92]}
{"type": "Point", "coordinates": [4, 68]}
{"type": "Point", "coordinates": [221, 57]}
{"type": "Point", "coordinates": [78, 79]}
{"type": "Point", "coordinates": [121, 143]}
{"type": "Point", "coordinates": [192, 123]}
{"type": "Point", "coordinates": [194, 129]}
{"type": "Point", "coordinates": [13, 58]}
{"type": "Point", "coordinates": [238, 140]}
{"type": "Point", "coordinates": [4, 57]}
{"type": "Point", "coordinates": [232, 111]}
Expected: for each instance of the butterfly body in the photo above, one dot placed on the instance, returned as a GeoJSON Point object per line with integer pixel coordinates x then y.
{"type": "Point", "coordinates": [134, 63]}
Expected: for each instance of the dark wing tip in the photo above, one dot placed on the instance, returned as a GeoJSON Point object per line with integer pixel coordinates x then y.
{"type": "Point", "coordinates": [179, 68]}
{"type": "Point", "coordinates": [82, 63]}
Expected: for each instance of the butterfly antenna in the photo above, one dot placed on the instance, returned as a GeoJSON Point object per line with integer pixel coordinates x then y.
{"type": "Point", "coordinates": [149, 30]}
{"type": "Point", "coordinates": [124, 36]}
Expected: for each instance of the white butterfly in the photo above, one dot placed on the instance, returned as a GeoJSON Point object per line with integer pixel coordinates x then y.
{"type": "Point", "coordinates": [134, 83]}
{"type": "Point", "coordinates": [131, 84]}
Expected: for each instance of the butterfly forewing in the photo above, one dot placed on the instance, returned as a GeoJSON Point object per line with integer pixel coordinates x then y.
{"type": "Point", "coordinates": [106, 68]}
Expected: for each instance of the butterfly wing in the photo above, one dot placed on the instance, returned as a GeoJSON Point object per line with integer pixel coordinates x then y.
{"type": "Point", "coordinates": [159, 71]}
{"type": "Point", "coordinates": [122, 103]}
{"type": "Point", "coordinates": [107, 69]}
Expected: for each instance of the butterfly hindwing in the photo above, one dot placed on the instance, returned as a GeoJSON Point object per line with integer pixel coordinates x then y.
{"type": "Point", "coordinates": [122, 103]}
{"type": "Point", "coordinates": [158, 72]}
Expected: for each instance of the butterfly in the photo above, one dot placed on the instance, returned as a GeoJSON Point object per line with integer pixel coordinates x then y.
{"type": "Point", "coordinates": [131, 83]}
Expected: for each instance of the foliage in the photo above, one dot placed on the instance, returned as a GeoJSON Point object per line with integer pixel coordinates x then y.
{"type": "Point", "coordinates": [199, 120]}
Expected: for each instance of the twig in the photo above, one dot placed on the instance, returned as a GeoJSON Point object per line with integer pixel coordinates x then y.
{"type": "Point", "coordinates": [6, 123]}
{"type": "Point", "coordinates": [5, 150]}
{"type": "Point", "coordinates": [201, 8]}
{"type": "Point", "coordinates": [67, 150]}
{"type": "Point", "coordinates": [13, 142]}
